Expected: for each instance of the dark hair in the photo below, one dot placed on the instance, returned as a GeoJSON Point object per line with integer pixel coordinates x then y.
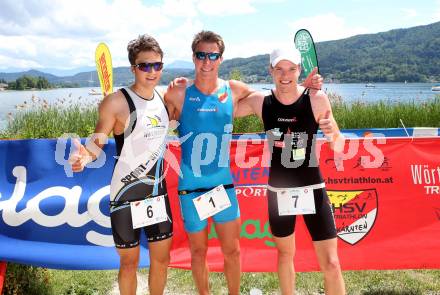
{"type": "Point", "coordinates": [208, 37]}
{"type": "Point", "coordinates": [142, 43]}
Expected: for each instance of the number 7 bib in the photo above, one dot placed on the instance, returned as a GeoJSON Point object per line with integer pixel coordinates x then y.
{"type": "Point", "coordinates": [212, 202]}
{"type": "Point", "coordinates": [296, 202]}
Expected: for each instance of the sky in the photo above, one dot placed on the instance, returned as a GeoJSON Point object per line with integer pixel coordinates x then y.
{"type": "Point", "coordinates": [63, 34]}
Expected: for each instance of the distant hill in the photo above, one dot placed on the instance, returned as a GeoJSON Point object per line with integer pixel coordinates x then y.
{"type": "Point", "coordinates": [34, 73]}
{"type": "Point", "coordinates": [411, 55]}
{"type": "Point", "coordinates": [122, 76]}
{"type": "Point", "coordinates": [395, 56]}
{"type": "Point", "coordinates": [180, 64]}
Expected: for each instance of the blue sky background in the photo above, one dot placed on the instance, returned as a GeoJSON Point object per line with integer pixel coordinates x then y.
{"type": "Point", "coordinates": [63, 34]}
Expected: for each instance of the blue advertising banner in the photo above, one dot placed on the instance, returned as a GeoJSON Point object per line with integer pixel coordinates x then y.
{"type": "Point", "coordinates": [51, 217]}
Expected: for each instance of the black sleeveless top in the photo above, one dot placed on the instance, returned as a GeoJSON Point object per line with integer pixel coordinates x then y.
{"type": "Point", "coordinates": [291, 132]}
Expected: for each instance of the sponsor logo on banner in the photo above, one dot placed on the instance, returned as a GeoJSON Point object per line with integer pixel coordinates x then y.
{"type": "Point", "coordinates": [361, 163]}
{"type": "Point", "coordinates": [426, 176]}
{"type": "Point", "coordinates": [258, 190]}
{"type": "Point", "coordinates": [69, 213]}
{"type": "Point", "coordinates": [354, 212]}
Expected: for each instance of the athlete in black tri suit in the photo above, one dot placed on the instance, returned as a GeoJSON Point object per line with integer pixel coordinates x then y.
{"type": "Point", "coordinates": [292, 115]}
{"type": "Point", "coordinates": [138, 118]}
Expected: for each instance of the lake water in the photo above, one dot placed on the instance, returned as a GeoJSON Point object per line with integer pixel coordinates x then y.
{"type": "Point", "coordinates": [13, 101]}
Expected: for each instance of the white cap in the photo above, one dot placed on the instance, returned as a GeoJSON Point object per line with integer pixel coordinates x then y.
{"type": "Point", "coordinates": [291, 54]}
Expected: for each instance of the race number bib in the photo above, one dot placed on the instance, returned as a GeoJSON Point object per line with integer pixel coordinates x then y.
{"type": "Point", "coordinates": [212, 202]}
{"type": "Point", "coordinates": [296, 202]}
{"type": "Point", "coordinates": [299, 154]}
{"type": "Point", "coordinates": [149, 211]}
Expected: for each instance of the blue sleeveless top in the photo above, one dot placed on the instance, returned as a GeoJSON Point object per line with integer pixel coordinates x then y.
{"type": "Point", "coordinates": [205, 133]}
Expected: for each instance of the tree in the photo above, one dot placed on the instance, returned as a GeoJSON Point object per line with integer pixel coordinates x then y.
{"type": "Point", "coordinates": [235, 74]}
{"type": "Point", "coordinates": [26, 82]}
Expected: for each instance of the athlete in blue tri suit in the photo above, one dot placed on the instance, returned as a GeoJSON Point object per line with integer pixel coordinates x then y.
{"type": "Point", "coordinates": [208, 118]}
{"type": "Point", "coordinates": [205, 111]}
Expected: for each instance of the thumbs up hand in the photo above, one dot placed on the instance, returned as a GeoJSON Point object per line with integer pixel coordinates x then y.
{"type": "Point", "coordinates": [80, 157]}
{"type": "Point", "coordinates": [326, 126]}
{"type": "Point", "coordinates": [314, 80]}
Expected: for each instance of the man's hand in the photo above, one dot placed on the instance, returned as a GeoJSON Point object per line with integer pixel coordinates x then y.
{"type": "Point", "coordinates": [326, 126]}
{"type": "Point", "coordinates": [313, 80]}
{"type": "Point", "coordinates": [80, 157]}
{"type": "Point", "coordinates": [178, 83]}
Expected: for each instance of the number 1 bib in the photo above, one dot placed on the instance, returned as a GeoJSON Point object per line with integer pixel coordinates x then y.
{"type": "Point", "coordinates": [212, 202]}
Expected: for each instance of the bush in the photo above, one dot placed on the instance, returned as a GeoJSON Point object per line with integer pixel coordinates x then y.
{"type": "Point", "coordinates": [26, 280]}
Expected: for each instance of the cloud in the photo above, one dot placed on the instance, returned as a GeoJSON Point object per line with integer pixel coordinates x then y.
{"type": "Point", "coordinates": [256, 47]}
{"type": "Point", "coordinates": [326, 27]}
{"type": "Point", "coordinates": [180, 8]}
{"type": "Point", "coordinates": [225, 7]}
{"type": "Point", "coordinates": [409, 12]}
{"type": "Point", "coordinates": [46, 51]}
{"type": "Point", "coordinates": [65, 35]}
{"type": "Point", "coordinates": [176, 43]}
{"type": "Point", "coordinates": [80, 18]}
{"type": "Point", "coordinates": [18, 63]}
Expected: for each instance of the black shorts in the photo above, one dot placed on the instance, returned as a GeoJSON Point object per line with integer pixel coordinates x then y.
{"type": "Point", "coordinates": [320, 225]}
{"type": "Point", "coordinates": [125, 236]}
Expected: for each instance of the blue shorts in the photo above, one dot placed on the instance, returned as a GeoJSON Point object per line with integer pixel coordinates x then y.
{"type": "Point", "coordinates": [191, 218]}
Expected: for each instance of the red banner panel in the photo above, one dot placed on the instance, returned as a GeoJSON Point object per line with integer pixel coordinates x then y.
{"type": "Point", "coordinates": [385, 195]}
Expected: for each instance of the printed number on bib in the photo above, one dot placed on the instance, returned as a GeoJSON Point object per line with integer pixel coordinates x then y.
{"type": "Point", "coordinates": [212, 202]}
{"type": "Point", "coordinates": [296, 202]}
{"type": "Point", "coordinates": [149, 211]}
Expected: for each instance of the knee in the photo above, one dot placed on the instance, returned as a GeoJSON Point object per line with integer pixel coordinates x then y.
{"type": "Point", "coordinates": [331, 265]}
{"type": "Point", "coordinates": [199, 253]}
{"type": "Point", "coordinates": [231, 252]}
{"type": "Point", "coordinates": [129, 264]}
{"type": "Point", "coordinates": [286, 254]}
{"type": "Point", "coordinates": [161, 260]}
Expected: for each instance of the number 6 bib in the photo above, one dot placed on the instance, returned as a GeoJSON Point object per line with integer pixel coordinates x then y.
{"type": "Point", "coordinates": [149, 211]}
{"type": "Point", "coordinates": [212, 202]}
{"type": "Point", "coordinates": [296, 201]}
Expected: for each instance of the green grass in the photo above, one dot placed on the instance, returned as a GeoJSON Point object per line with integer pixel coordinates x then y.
{"type": "Point", "coordinates": [381, 115]}
{"type": "Point", "coordinates": [53, 282]}
{"type": "Point", "coordinates": [357, 282]}
{"type": "Point", "coordinates": [51, 121]}
{"type": "Point", "coordinates": [82, 282]}
{"type": "Point", "coordinates": [28, 280]}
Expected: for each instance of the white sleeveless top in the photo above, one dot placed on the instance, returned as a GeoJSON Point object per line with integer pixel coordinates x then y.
{"type": "Point", "coordinates": [140, 149]}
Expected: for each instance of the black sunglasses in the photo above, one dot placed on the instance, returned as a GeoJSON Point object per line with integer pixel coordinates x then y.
{"type": "Point", "coordinates": [200, 55]}
{"type": "Point", "coordinates": [148, 67]}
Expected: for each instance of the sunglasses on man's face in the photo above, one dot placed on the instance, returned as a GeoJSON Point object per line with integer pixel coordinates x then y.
{"type": "Point", "coordinates": [200, 55]}
{"type": "Point", "coordinates": [148, 67]}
